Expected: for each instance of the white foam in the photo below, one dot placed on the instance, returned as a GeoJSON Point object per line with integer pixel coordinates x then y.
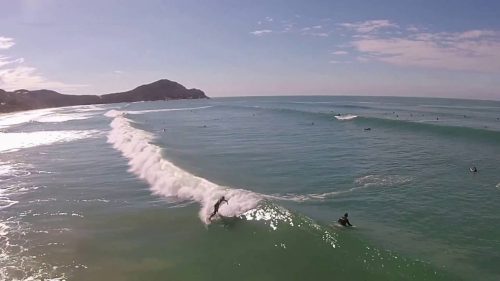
{"type": "Point", "coordinates": [6, 202]}
{"type": "Point", "coordinates": [87, 108]}
{"type": "Point", "coordinates": [346, 117]}
{"type": "Point", "coordinates": [3, 229]}
{"type": "Point", "coordinates": [272, 214]}
{"type": "Point", "coordinates": [13, 170]}
{"type": "Point", "coordinates": [305, 197]}
{"type": "Point", "coordinates": [360, 183]}
{"type": "Point", "coordinates": [115, 113]}
{"type": "Point", "coordinates": [50, 115]}
{"type": "Point", "coordinates": [56, 118]}
{"type": "Point", "coordinates": [382, 180]}
{"type": "Point", "coordinates": [166, 179]}
{"type": "Point", "coordinates": [8, 120]}
{"type": "Point", "coordinates": [15, 141]}
{"type": "Point", "coordinates": [167, 109]}
{"type": "Point", "coordinates": [15, 263]}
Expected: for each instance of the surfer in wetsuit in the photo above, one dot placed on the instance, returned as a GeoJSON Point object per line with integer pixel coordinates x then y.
{"type": "Point", "coordinates": [344, 221]}
{"type": "Point", "coordinates": [473, 169]}
{"type": "Point", "coordinates": [217, 206]}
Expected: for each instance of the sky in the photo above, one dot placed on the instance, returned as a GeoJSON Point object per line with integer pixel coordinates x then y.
{"type": "Point", "coordinates": [435, 48]}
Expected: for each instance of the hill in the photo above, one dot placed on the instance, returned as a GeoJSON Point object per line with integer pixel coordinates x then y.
{"type": "Point", "coordinates": [160, 90]}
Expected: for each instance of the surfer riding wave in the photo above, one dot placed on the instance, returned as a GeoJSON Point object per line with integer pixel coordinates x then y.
{"type": "Point", "coordinates": [217, 206]}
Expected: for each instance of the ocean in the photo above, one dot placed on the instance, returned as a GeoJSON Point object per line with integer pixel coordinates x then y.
{"type": "Point", "coordinates": [124, 191]}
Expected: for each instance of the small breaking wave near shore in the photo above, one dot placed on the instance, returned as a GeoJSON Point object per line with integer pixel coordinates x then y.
{"type": "Point", "coordinates": [166, 179]}
{"type": "Point", "coordinates": [346, 117]}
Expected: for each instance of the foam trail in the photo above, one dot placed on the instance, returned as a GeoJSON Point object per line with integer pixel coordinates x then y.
{"type": "Point", "coordinates": [167, 109]}
{"type": "Point", "coordinates": [346, 117]}
{"type": "Point", "coordinates": [166, 179]}
{"type": "Point", "coordinates": [361, 183]}
{"type": "Point", "coordinates": [9, 119]}
{"type": "Point", "coordinates": [46, 115]}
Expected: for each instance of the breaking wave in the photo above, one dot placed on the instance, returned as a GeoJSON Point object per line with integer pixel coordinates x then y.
{"type": "Point", "coordinates": [346, 117]}
{"type": "Point", "coordinates": [166, 179]}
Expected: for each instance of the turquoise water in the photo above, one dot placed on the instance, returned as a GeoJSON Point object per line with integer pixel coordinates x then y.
{"type": "Point", "coordinates": [123, 192]}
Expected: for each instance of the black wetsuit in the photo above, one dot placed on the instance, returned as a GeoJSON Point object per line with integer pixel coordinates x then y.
{"type": "Point", "coordinates": [217, 206]}
{"type": "Point", "coordinates": [344, 221]}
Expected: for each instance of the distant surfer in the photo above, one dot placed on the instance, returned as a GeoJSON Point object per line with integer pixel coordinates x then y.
{"type": "Point", "coordinates": [217, 206]}
{"type": "Point", "coordinates": [344, 220]}
{"type": "Point", "coordinates": [473, 169]}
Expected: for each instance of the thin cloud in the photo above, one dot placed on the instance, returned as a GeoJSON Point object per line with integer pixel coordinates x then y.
{"type": "Point", "coordinates": [412, 28]}
{"type": "Point", "coordinates": [6, 42]}
{"type": "Point", "coordinates": [319, 34]}
{"type": "Point", "coordinates": [472, 50]}
{"type": "Point", "coordinates": [261, 32]}
{"type": "Point", "coordinates": [25, 77]}
{"type": "Point", "coordinates": [287, 27]}
{"type": "Point", "coordinates": [369, 26]}
{"type": "Point", "coordinates": [307, 28]}
{"type": "Point", "coordinates": [315, 30]}
{"type": "Point", "coordinates": [474, 34]}
{"type": "Point", "coordinates": [6, 61]}
{"type": "Point", "coordinates": [340, 53]}
{"type": "Point", "coordinates": [338, 62]}
{"type": "Point", "coordinates": [14, 74]}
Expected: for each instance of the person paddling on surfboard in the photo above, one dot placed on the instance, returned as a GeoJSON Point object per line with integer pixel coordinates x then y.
{"type": "Point", "coordinates": [217, 206]}
{"type": "Point", "coordinates": [344, 221]}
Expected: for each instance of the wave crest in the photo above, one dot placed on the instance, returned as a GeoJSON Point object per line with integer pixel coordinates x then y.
{"type": "Point", "coordinates": [346, 117]}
